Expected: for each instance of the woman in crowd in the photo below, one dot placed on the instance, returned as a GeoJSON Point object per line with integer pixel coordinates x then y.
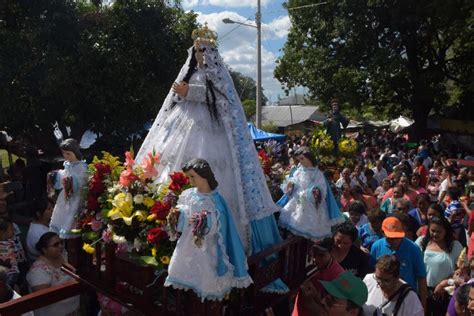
{"type": "Point", "coordinates": [372, 231]}
{"type": "Point", "coordinates": [346, 196]}
{"type": "Point", "coordinates": [38, 227]}
{"type": "Point", "coordinates": [46, 272]}
{"type": "Point", "coordinates": [389, 205]}
{"type": "Point", "coordinates": [356, 214]}
{"type": "Point", "coordinates": [440, 253]}
{"type": "Point", "coordinates": [346, 253]}
{"type": "Point", "coordinates": [382, 189]}
{"type": "Point", "coordinates": [415, 184]}
{"type": "Point", "coordinates": [434, 210]}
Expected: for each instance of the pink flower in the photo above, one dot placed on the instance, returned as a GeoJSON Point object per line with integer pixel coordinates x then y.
{"type": "Point", "coordinates": [148, 165]}
{"type": "Point", "coordinates": [107, 235]}
{"type": "Point", "coordinates": [96, 225]}
{"type": "Point", "coordinates": [127, 177]}
{"type": "Point", "coordinates": [129, 162]}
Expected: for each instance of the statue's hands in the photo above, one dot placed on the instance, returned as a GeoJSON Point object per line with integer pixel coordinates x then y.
{"type": "Point", "coordinates": [181, 88]}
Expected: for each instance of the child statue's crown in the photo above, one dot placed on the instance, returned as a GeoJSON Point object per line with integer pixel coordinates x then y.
{"type": "Point", "coordinates": [204, 35]}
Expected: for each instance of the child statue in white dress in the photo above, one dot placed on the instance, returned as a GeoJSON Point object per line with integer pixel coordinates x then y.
{"type": "Point", "coordinates": [311, 209]}
{"type": "Point", "coordinates": [209, 257]}
{"type": "Point", "coordinates": [71, 181]}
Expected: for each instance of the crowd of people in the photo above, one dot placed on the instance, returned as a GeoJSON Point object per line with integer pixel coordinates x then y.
{"type": "Point", "coordinates": [408, 221]}
{"type": "Point", "coordinates": [405, 241]}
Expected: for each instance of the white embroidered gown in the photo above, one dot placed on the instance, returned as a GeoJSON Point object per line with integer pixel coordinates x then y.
{"type": "Point", "coordinates": [193, 267]}
{"type": "Point", "coordinates": [300, 215]}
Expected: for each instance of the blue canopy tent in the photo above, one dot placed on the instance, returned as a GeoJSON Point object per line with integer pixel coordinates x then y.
{"type": "Point", "coordinates": [259, 135]}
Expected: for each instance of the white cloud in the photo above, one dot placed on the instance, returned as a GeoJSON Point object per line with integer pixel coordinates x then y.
{"type": "Point", "coordinates": [189, 4]}
{"type": "Point", "coordinates": [277, 28]}
{"type": "Point", "coordinates": [238, 46]}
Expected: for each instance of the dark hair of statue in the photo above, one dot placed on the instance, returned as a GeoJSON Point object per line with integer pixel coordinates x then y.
{"type": "Point", "coordinates": [306, 152]}
{"type": "Point", "coordinates": [202, 168]}
{"type": "Point", "coordinates": [71, 144]}
{"type": "Point", "coordinates": [210, 94]}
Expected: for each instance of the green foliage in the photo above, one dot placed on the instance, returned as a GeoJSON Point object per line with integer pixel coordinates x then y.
{"type": "Point", "coordinates": [270, 127]}
{"type": "Point", "coordinates": [246, 87]}
{"type": "Point", "coordinates": [249, 108]}
{"type": "Point", "coordinates": [385, 56]}
{"type": "Point", "coordinates": [89, 67]}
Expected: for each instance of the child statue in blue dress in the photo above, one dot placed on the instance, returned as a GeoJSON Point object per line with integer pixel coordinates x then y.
{"type": "Point", "coordinates": [209, 257]}
{"type": "Point", "coordinates": [311, 209]}
{"type": "Point", "coordinates": [70, 181]}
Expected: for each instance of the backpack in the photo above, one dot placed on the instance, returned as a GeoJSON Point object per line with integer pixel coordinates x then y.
{"type": "Point", "coordinates": [402, 293]}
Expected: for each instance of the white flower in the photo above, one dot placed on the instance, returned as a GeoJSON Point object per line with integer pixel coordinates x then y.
{"type": "Point", "coordinates": [151, 188]}
{"type": "Point", "coordinates": [119, 239]}
{"type": "Point", "coordinates": [137, 244]}
{"type": "Point", "coordinates": [138, 199]}
{"type": "Point", "coordinates": [114, 189]}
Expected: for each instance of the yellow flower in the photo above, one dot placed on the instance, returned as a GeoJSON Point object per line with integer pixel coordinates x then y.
{"type": "Point", "coordinates": [151, 217]}
{"type": "Point", "coordinates": [148, 201]}
{"type": "Point", "coordinates": [88, 248]}
{"type": "Point", "coordinates": [165, 259]}
{"type": "Point", "coordinates": [153, 251]}
{"type": "Point", "coordinates": [160, 222]}
{"type": "Point", "coordinates": [123, 207]}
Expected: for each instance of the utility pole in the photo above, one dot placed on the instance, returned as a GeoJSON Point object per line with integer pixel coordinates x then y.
{"type": "Point", "coordinates": [258, 21]}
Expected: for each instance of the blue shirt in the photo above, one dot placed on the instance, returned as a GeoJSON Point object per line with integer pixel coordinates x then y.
{"type": "Point", "coordinates": [416, 215]}
{"type": "Point", "coordinates": [409, 254]}
{"type": "Point", "coordinates": [367, 236]}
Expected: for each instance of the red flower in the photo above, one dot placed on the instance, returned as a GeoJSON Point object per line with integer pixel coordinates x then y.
{"type": "Point", "coordinates": [92, 203]}
{"type": "Point", "coordinates": [160, 210]}
{"type": "Point", "coordinates": [102, 169]}
{"type": "Point", "coordinates": [155, 235]}
{"type": "Point", "coordinates": [178, 180]}
{"type": "Point", "coordinates": [96, 185]}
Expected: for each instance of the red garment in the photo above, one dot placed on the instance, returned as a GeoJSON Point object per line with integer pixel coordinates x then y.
{"type": "Point", "coordinates": [410, 195]}
{"type": "Point", "coordinates": [328, 274]}
{"type": "Point", "coordinates": [423, 175]}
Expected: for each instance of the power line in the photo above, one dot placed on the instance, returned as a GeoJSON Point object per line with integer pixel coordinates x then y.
{"type": "Point", "coordinates": [239, 25]}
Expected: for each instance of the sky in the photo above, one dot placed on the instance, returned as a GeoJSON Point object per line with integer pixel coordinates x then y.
{"type": "Point", "coordinates": [237, 44]}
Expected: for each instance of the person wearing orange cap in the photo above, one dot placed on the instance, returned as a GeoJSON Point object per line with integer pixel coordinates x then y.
{"type": "Point", "coordinates": [412, 267]}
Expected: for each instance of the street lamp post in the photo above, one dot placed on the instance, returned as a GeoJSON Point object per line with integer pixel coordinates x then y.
{"type": "Point", "coordinates": [258, 26]}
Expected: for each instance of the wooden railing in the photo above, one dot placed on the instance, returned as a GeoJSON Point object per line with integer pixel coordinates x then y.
{"type": "Point", "coordinates": [140, 288]}
{"type": "Point", "coordinates": [41, 298]}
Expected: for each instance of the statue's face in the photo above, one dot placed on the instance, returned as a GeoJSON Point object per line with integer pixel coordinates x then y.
{"type": "Point", "coordinates": [199, 55]}
{"type": "Point", "coordinates": [69, 155]}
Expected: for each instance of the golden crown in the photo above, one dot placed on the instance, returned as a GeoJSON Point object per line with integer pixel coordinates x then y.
{"type": "Point", "coordinates": [204, 35]}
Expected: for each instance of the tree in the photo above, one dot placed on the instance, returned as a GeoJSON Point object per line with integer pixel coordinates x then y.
{"type": "Point", "coordinates": [396, 56]}
{"type": "Point", "coordinates": [249, 108]}
{"type": "Point", "coordinates": [246, 87]}
{"type": "Point", "coordinates": [88, 66]}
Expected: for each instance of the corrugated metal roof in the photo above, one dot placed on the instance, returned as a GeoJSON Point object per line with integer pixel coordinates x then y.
{"type": "Point", "coordinates": [284, 115]}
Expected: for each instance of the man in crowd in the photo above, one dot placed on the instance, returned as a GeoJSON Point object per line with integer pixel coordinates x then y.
{"type": "Point", "coordinates": [388, 294]}
{"type": "Point", "coordinates": [346, 296]}
{"type": "Point", "coordinates": [328, 270]}
{"type": "Point", "coordinates": [408, 253]}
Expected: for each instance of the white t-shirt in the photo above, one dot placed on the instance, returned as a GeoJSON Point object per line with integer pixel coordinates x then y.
{"type": "Point", "coordinates": [34, 233]}
{"type": "Point", "coordinates": [411, 305]}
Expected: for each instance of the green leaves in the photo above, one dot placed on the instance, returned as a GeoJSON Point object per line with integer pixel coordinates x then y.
{"type": "Point", "coordinates": [384, 55]}
{"type": "Point", "coordinates": [107, 69]}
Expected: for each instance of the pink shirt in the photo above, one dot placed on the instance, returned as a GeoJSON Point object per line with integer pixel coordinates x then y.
{"type": "Point", "coordinates": [328, 274]}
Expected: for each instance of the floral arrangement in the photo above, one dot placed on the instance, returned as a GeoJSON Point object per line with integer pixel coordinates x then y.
{"type": "Point", "coordinates": [347, 146]}
{"type": "Point", "coordinates": [126, 206]}
{"type": "Point", "coordinates": [321, 142]}
{"type": "Point", "coordinates": [274, 172]}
